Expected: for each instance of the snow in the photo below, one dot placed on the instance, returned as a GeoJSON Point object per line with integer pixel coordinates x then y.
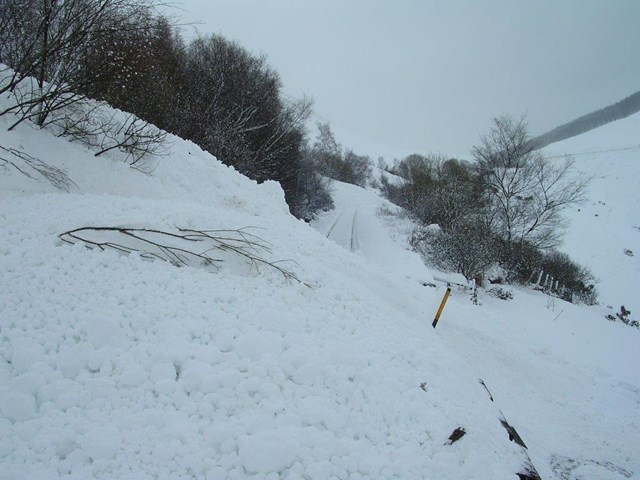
{"type": "Point", "coordinates": [269, 450]}
{"type": "Point", "coordinates": [364, 223]}
{"type": "Point", "coordinates": [562, 374]}
{"type": "Point", "coordinates": [117, 367]}
{"type": "Point", "coordinates": [18, 406]}
{"type": "Point", "coordinates": [112, 366]}
{"type": "Point", "coordinates": [609, 222]}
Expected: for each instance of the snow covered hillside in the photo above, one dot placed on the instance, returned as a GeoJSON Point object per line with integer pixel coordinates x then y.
{"type": "Point", "coordinates": [563, 375]}
{"type": "Point", "coordinates": [114, 366]}
{"type": "Point", "coordinates": [605, 232]}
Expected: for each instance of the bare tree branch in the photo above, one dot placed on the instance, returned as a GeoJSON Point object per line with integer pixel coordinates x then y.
{"type": "Point", "coordinates": [187, 247]}
{"type": "Point", "coordinates": [26, 165]}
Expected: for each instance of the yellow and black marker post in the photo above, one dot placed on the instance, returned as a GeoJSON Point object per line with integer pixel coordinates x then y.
{"type": "Point", "coordinates": [441, 308]}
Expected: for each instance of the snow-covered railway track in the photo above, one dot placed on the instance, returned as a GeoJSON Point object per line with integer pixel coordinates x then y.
{"type": "Point", "coordinates": [355, 244]}
{"type": "Point", "coordinates": [344, 230]}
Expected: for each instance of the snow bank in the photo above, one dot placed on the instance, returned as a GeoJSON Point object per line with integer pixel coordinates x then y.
{"type": "Point", "coordinates": [116, 367]}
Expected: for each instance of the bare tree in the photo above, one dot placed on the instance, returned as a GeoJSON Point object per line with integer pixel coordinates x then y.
{"type": "Point", "coordinates": [45, 42]}
{"type": "Point", "coordinates": [284, 139]}
{"type": "Point", "coordinates": [360, 167]}
{"type": "Point", "coordinates": [526, 193]}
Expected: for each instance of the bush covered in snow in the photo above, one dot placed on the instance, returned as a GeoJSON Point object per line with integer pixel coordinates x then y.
{"type": "Point", "coordinates": [573, 282]}
{"type": "Point", "coordinates": [623, 316]}
{"type": "Point", "coordinates": [465, 247]}
{"type": "Point", "coordinates": [501, 293]}
{"type": "Point", "coordinates": [503, 211]}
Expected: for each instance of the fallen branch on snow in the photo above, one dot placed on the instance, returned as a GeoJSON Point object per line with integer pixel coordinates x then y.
{"type": "Point", "coordinates": [187, 247]}
{"type": "Point", "coordinates": [28, 166]}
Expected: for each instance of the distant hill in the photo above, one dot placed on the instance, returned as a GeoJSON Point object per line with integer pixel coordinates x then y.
{"type": "Point", "coordinates": [604, 232]}
{"type": "Point", "coordinates": [622, 109]}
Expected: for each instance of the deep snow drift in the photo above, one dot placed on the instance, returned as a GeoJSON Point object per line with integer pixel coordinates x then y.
{"type": "Point", "coordinates": [112, 366]}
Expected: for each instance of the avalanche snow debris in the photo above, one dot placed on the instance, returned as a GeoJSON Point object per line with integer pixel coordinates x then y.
{"type": "Point", "coordinates": [112, 367]}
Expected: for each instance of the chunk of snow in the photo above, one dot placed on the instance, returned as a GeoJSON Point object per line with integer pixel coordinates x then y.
{"type": "Point", "coordinates": [103, 442]}
{"type": "Point", "coordinates": [104, 332]}
{"type": "Point", "coordinates": [17, 406]}
{"type": "Point", "coordinates": [270, 451]}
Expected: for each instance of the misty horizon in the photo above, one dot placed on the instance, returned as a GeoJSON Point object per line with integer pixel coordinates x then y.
{"type": "Point", "coordinates": [420, 77]}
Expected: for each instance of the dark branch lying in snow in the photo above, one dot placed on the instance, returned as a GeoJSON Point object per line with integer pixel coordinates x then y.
{"type": "Point", "coordinates": [186, 247]}
{"type": "Point", "coordinates": [28, 166]}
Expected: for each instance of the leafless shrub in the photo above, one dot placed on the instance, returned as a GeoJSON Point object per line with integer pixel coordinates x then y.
{"type": "Point", "coordinates": [46, 42]}
{"type": "Point", "coordinates": [96, 125]}
{"type": "Point", "coordinates": [78, 123]}
{"type": "Point", "coordinates": [134, 136]}
{"type": "Point", "coordinates": [465, 247]}
{"type": "Point", "coordinates": [501, 293]}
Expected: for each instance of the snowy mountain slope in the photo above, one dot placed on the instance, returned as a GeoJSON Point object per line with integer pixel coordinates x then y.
{"type": "Point", "coordinates": [608, 224]}
{"type": "Point", "coordinates": [112, 366]}
{"type": "Point", "coordinates": [560, 373]}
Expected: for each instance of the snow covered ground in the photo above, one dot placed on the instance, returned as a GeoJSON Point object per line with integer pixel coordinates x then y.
{"type": "Point", "coordinates": [112, 366]}
{"type": "Point", "coordinates": [367, 225]}
{"type": "Point", "coordinates": [608, 224]}
{"type": "Point", "coordinates": [565, 377]}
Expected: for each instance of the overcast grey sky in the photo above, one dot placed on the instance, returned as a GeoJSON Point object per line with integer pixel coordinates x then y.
{"type": "Point", "coordinates": [403, 76]}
